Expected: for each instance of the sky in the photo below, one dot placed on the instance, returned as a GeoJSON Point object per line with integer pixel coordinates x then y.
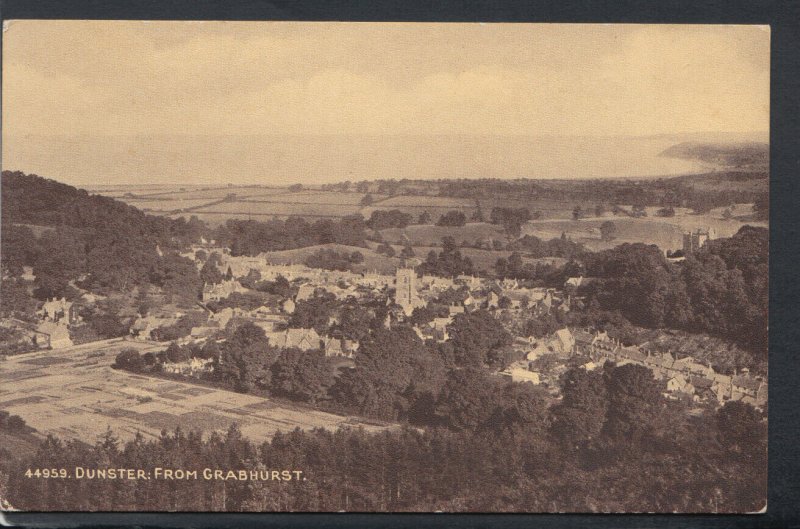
{"type": "Point", "coordinates": [137, 101]}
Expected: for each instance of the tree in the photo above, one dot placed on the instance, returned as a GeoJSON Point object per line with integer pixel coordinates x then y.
{"type": "Point", "coordinates": [294, 188]}
{"type": "Point", "coordinates": [608, 231]}
{"type": "Point", "coordinates": [243, 360]}
{"type": "Point", "coordinates": [580, 416]}
{"type": "Point", "coordinates": [449, 262]}
{"type": "Point", "coordinates": [511, 219]}
{"type": "Point", "coordinates": [407, 252]}
{"type": "Point", "coordinates": [385, 249]}
{"type": "Point", "coordinates": [474, 335]}
{"type": "Point", "coordinates": [301, 375]}
{"type": "Point", "coordinates": [761, 207]}
{"type": "Point", "coordinates": [129, 359]}
{"type": "Point", "coordinates": [367, 200]}
{"type": "Point", "coordinates": [740, 427]}
{"type": "Point", "coordinates": [468, 399]}
{"type": "Point", "coordinates": [175, 353]}
{"type": "Point", "coordinates": [210, 274]}
{"type": "Point", "coordinates": [356, 257]}
{"type": "Point", "coordinates": [381, 219]}
{"type": "Point", "coordinates": [313, 313]}
{"type": "Point", "coordinates": [667, 211]}
{"type": "Point", "coordinates": [355, 322]}
{"type": "Point", "coordinates": [599, 210]}
{"type": "Point", "coordinates": [634, 402]}
{"type": "Point", "coordinates": [577, 213]}
{"type": "Point", "coordinates": [452, 218]}
{"type": "Point", "coordinates": [424, 218]}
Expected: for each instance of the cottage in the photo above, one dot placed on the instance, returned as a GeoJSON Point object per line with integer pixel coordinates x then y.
{"type": "Point", "coordinates": [563, 341]}
{"type": "Point", "coordinates": [335, 347]}
{"type": "Point", "coordinates": [56, 310]}
{"type": "Point", "coordinates": [190, 367]}
{"type": "Point", "coordinates": [305, 339]}
{"type": "Point", "coordinates": [680, 384]}
{"type": "Point", "coordinates": [222, 290]}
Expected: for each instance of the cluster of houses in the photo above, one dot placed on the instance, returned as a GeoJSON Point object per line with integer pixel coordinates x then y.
{"type": "Point", "coordinates": [683, 376]}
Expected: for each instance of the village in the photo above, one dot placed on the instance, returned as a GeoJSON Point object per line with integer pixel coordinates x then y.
{"type": "Point", "coordinates": [540, 361]}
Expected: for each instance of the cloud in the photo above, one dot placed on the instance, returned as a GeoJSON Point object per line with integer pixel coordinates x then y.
{"type": "Point", "coordinates": [112, 78]}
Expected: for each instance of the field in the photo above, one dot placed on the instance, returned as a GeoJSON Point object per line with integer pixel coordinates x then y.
{"type": "Point", "coordinates": [165, 205]}
{"type": "Point", "coordinates": [416, 205]}
{"type": "Point", "coordinates": [373, 261]}
{"type": "Point", "coordinates": [73, 395]}
{"type": "Point", "coordinates": [214, 206]}
{"type": "Point", "coordinates": [548, 208]}
{"type": "Point", "coordinates": [281, 209]}
{"type": "Point", "coordinates": [431, 235]}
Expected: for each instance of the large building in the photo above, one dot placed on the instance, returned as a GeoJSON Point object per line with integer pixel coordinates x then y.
{"type": "Point", "coordinates": [405, 295]}
{"type": "Point", "coordinates": [696, 239]}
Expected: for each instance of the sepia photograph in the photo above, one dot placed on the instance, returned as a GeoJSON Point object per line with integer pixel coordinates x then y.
{"type": "Point", "coordinates": [384, 267]}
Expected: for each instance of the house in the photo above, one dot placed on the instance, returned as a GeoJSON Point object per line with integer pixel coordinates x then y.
{"type": "Point", "coordinates": [680, 384]}
{"type": "Point", "coordinates": [439, 326]}
{"type": "Point", "coordinates": [335, 347]}
{"type": "Point", "coordinates": [222, 290]}
{"type": "Point", "coordinates": [583, 340]}
{"type": "Point", "coordinates": [573, 282]}
{"type": "Point", "coordinates": [563, 341]}
{"type": "Point", "coordinates": [288, 306]}
{"type": "Point", "coordinates": [704, 388]}
{"type": "Point", "coordinates": [590, 366]}
{"type": "Point", "coordinates": [269, 325]}
{"type": "Point", "coordinates": [27, 274]}
{"type": "Point", "coordinates": [190, 367]}
{"type": "Point", "coordinates": [687, 365]}
{"type": "Point", "coordinates": [60, 309]}
{"type": "Point", "coordinates": [304, 339]}
{"type": "Point", "coordinates": [633, 354]}
{"type": "Point", "coordinates": [470, 281]}
{"type": "Point", "coordinates": [539, 350]}
{"type": "Point", "coordinates": [455, 309]}
{"type": "Point", "coordinates": [350, 346]}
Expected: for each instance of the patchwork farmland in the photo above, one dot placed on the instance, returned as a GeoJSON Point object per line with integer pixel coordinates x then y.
{"type": "Point", "coordinates": [215, 205]}
{"type": "Point", "coordinates": [74, 393]}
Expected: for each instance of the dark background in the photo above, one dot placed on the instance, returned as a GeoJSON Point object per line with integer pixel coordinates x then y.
{"type": "Point", "coordinates": [784, 409]}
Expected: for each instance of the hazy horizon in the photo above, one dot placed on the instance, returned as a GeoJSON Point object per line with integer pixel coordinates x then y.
{"type": "Point", "coordinates": [325, 159]}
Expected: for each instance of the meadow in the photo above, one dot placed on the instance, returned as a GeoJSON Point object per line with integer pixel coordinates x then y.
{"type": "Point", "coordinates": [431, 235]}
{"type": "Point", "coordinates": [373, 261]}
